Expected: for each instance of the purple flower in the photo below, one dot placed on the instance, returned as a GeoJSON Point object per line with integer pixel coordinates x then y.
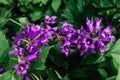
{"type": "Point", "coordinates": [21, 68]}
{"type": "Point", "coordinates": [31, 57]}
{"type": "Point", "coordinates": [89, 24]}
{"type": "Point", "coordinates": [101, 45]}
{"type": "Point", "coordinates": [97, 23]}
{"type": "Point", "coordinates": [66, 28]}
{"type": "Point", "coordinates": [49, 20]}
{"type": "Point", "coordinates": [18, 39]}
{"type": "Point", "coordinates": [17, 50]}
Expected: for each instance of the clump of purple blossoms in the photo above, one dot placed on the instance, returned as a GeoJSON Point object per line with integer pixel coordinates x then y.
{"type": "Point", "coordinates": [89, 38]}
{"type": "Point", "coordinates": [26, 44]}
{"type": "Point", "coordinates": [67, 33]}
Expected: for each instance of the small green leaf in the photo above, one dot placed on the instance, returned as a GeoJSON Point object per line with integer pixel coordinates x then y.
{"type": "Point", "coordinates": [103, 73]}
{"type": "Point", "coordinates": [56, 4]}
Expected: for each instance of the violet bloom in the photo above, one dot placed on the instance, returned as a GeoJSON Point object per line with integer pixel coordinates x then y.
{"type": "Point", "coordinates": [49, 20]}
{"type": "Point", "coordinates": [89, 24]}
{"type": "Point", "coordinates": [17, 50]}
{"type": "Point", "coordinates": [32, 31]}
{"type": "Point", "coordinates": [101, 46]}
{"type": "Point", "coordinates": [106, 34]}
{"type": "Point", "coordinates": [66, 28]}
{"type": "Point", "coordinates": [67, 33]}
{"type": "Point", "coordinates": [21, 68]}
{"type": "Point", "coordinates": [18, 39]}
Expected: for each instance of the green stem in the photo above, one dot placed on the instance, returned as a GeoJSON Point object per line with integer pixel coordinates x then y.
{"type": "Point", "coordinates": [15, 22]}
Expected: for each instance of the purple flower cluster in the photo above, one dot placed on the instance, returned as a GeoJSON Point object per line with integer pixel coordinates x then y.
{"type": "Point", "coordinates": [89, 38]}
{"type": "Point", "coordinates": [86, 39]}
{"type": "Point", "coordinates": [27, 43]}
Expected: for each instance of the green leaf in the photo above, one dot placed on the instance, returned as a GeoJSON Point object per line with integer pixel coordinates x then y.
{"type": "Point", "coordinates": [56, 4]}
{"type": "Point", "coordinates": [115, 64]}
{"type": "Point", "coordinates": [40, 63]}
{"type": "Point", "coordinates": [44, 54]}
{"type": "Point", "coordinates": [103, 73]}
{"type": "Point", "coordinates": [115, 49]}
{"type": "Point", "coordinates": [4, 46]}
{"type": "Point", "coordinates": [36, 14]}
{"type": "Point", "coordinates": [7, 76]}
{"type": "Point", "coordinates": [116, 57]}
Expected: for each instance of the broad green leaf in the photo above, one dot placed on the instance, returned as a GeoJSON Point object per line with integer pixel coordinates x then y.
{"type": "Point", "coordinates": [103, 73]}
{"type": "Point", "coordinates": [56, 4]}
{"type": "Point", "coordinates": [115, 64]}
{"type": "Point", "coordinates": [44, 54]}
{"type": "Point", "coordinates": [115, 49]}
{"type": "Point", "coordinates": [4, 46]}
{"type": "Point", "coordinates": [116, 57]}
{"type": "Point", "coordinates": [7, 76]}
